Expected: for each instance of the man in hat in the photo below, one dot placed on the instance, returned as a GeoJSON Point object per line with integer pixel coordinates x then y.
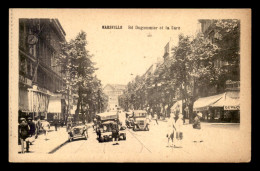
{"type": "Point", "coordinates": [197, 128]}
{"type": "Point", "coordinates": [23, 129]}
{"type": "Point", "coordinates": [115, 133]}
{"type": "Point", "coordinates": [32, 131]}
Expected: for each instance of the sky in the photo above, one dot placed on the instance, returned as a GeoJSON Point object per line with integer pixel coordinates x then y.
{"type": "Point", "coordinates": [121, 54]}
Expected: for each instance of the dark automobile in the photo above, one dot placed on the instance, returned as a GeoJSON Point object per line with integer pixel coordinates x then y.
{"type": "Point", "coordinates": [106, 123]}
{"type": "Point", "coordinates": [79, 131]}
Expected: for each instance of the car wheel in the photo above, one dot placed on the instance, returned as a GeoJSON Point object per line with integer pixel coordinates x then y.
{"type": "Point", "coordinates": [101, 139]}
{"type": "Point", "coordinates": [124, 137]}
{"type": "Point", "coordinates": [135, 128]}
{"type": "Point", "coordinates": [69, 138]}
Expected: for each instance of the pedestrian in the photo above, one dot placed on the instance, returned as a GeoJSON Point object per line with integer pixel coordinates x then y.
{"type": "Point", "coordinates": [115, 133]}
{"type": "Point", "coordinates": [197, 128]}
{"type": "Point", "coordinates": [179, 131]}
{"type": "Point", "coordinates": [23, 133]}
{"type": "Point", "coordinates": [94, 123]}
{"type": "Point", "coordinates": [32, 130]}
{"type": "Point", "coordinates": [171, 129]}
{"type": "Point", "coordinates": [150, 117]}
{"type": "Point", "coordinates": [46, 128]}
{"type": "Point", "coordinates": [38, 125]}
{"type": "Point", "coordinates": [156, 118]}
{"type": "Point", "coordinates": [56, 123]}
{"type": "Point", "coordinates": [69, 125]}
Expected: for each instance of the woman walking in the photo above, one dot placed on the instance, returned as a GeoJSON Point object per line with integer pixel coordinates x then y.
{"type": "Point", "coordinates": [179, 132]}
{"type": "Point", "coordinates": [197, 128]}
{"type": "Point", "coordinates": [171, 130]}
{"type": "Point", "coordinates": [46, 127]}
{"type": "Point", "coordinates": [156, 117]}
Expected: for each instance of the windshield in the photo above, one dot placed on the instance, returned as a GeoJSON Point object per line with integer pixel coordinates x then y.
{"type": "Point", "coordinates": [106, 128]}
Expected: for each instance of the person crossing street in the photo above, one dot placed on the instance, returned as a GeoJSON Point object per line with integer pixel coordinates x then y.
{"type": "Point", "coordinates": [156, 118]}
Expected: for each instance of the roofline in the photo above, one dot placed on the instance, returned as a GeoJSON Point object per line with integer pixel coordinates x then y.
{"type": "Point", "coordinates": [59, 28]}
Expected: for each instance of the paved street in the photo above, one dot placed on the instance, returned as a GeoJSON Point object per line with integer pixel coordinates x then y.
{"type": "Point", "coordinates": [221, 142]}
{"type": "Point", "coordinates": [219, 139]}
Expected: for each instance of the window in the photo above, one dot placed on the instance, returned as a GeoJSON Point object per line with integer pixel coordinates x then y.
{"type": "Point", "coordinates": [22, 34]}
{"type": "Point", "coordinates": [32, 50]}
{"type": "Point", "coordinates": [23, 65]}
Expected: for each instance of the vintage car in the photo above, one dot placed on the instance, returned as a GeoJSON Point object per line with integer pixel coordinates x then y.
{"type": "Point", "coordinates": [78, 131]}
{"type": "Point", "coordinates": [140, 120]}
{"type": "Point", "coordinates": [106, 123]}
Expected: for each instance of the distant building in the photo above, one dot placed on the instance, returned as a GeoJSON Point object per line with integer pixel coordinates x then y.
{"type": "Point", "coordinates": [168, 50]}
{"type": "Point", "coordinates": [113, 91]}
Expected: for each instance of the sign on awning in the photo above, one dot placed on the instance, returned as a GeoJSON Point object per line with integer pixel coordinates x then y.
{"type": "Point", "coordinates": [229, 102]}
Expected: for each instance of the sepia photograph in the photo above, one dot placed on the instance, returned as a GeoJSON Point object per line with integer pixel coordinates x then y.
{"type": "Point", "coordinates": [129, 85]}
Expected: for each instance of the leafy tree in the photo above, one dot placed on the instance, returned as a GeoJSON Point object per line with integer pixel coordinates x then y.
{"type": "Point", "coordinates": [79, 69]}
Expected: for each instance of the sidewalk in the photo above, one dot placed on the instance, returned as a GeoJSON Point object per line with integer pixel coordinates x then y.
{"type": "Point", "coordinates": [54, 140]}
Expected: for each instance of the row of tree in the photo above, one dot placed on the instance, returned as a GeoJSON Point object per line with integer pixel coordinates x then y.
{"type": "Point", "coordinates": [191, 71]}
{"type": "Point", "coordinates": [80, 78]}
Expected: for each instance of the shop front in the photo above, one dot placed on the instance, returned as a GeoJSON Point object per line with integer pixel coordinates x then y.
{"type": "Point", "coordinates": [23, 101]}
{"type": "Point", "coordinates": [230, 106]}
{"type": "Point", "coordinates": [219, 108]}
{"type": "Point", "coordinates": [56, 108]}
{"type": "Point", "coordinates": [38, 102]}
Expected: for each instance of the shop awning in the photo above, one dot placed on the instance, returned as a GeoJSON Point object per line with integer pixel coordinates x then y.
{"type": "Point", "coordinates": [54, 105]}
{"type": "Point", "coordinates": [23, 100]}
{"type": "Point", "coordinates": [177, 106]}
{"type": "Point", "coordinates": [73, 110]}
{"type": "Point", "coordinates": [205, 102]}
{"type": "Point", "coordinates": [230, 101]}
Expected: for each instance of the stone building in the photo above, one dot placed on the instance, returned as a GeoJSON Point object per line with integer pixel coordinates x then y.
{"type": "Point", "coordinates": [40, 76]}
{"type": "Point", "coordinates": [113, 91]}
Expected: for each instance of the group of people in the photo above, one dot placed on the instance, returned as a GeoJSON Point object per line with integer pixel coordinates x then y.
{"type": "Point", "coordinates": [175, 129]}
{"type": "Point", "coordinates": [28, 131]}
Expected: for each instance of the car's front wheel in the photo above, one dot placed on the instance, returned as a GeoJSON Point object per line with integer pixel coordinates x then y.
{"type": "Point", "coordinates": [69, 138]}
{"type": "Point", "coordinates": [101, 139]}
{"type": "Point", "coordinates": [135, 128]}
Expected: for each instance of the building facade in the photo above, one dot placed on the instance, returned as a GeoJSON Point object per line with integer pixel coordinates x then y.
{"type": "Point", "coordinates": [113, 91]}
{"type": "Point", "coordinates": [227, 93]}
{"type": "Point", "coordinates": [40, 76]}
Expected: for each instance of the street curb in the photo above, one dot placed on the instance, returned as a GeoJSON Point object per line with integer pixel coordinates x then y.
{"type": "Point", "coordinates": [58, 147]}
